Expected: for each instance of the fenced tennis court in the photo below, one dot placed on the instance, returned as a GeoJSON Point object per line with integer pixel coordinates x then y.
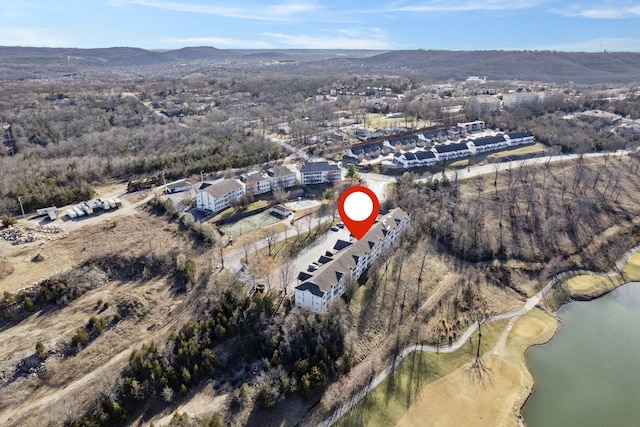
{"type": "Point", "coordinates": [249, 223]}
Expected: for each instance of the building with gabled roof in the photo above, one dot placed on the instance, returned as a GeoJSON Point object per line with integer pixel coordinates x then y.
{"type": "Point", "coordinates": [319, 173]}
{"type": "Point", "coordinates": [258, 183]}
{"type": "Point", "coordinates": [487, 143]}
{"type": "Point", "coordinates": [451, 151]}
{"type": "Point", "coordinates": [348, 261]}
{"type": "Point", "coordinates": [520, 138]}
{"type": "Point", "coordinates": [217, 195]}
{"type": "Point", "coordinates": [178, 186]}
{"type": "Point", "coordinates": [281, 177]}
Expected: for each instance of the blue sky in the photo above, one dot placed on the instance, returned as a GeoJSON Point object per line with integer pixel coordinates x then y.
{"type": "Point", "coordinates": [348, 24]}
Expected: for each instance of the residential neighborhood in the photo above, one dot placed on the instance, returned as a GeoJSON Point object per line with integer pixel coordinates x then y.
{"type": "Point", "coordinates": [179, 249]}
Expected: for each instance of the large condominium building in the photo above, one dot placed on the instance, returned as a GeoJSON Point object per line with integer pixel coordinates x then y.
{"type": "Point", "coordinates": [319, 173]}
{"type": "Point", "coordinates": [348, 262]}
{"type": "Point", "coordinates": [215, 196]}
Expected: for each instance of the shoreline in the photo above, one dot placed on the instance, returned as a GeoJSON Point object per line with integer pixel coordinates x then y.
{"type": "Point", "coordinates": [602, 283]}
{"type": "Point", "coordinates": [605, 283]}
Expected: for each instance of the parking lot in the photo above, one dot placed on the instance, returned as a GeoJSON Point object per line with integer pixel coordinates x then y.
{"type": "Point", "coordinates": [313, 252]}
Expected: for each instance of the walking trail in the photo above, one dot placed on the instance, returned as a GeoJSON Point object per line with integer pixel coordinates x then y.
{"type": "Point", "coordinates": [529, 305]}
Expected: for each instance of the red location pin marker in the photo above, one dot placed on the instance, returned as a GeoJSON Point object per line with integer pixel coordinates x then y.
{"type": "Point", "coordinates": [358, 207]}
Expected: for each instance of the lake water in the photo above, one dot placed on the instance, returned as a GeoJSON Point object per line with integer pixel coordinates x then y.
{"type": "Point", "coordinates": [589, 373]}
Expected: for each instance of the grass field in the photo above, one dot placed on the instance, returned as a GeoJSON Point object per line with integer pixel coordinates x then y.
{"type": "Point", "coordinates": [525, 149]}
{"type": "Point", "coordinates": [388, 402]}
{"type": "Point", "coordinates": [588, 286]}
{"type": "Point", "coordinates": [463, 399]}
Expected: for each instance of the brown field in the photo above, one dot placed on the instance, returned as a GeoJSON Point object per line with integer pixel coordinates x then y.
{"type": "Point", "coordinates": [462, 399]}
{"type": "Point", "coordinates": [69, 381]}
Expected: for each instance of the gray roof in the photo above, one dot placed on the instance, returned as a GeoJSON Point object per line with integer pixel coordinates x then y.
{"type": "Point", "coordinates": [179, 184]}
{"type": "Point", "coordinates": [318, 167]}
{"type": "Point", "coordinates": [346, 258]}
{"type": "Point", "coordinates": [278, 171]}
{"type": "Point", "coordinates": [221, 187]}
{"type": "Point", "coordinates": [449, 148]}
{"type": "Point", "coordinates": [488, 140]}
{"type": "Point", "coordinates": [423, 155]}
{"type": "Point", "coordinates": [520, 134]}
{"type": "Point", "coordinates": [257, 177]}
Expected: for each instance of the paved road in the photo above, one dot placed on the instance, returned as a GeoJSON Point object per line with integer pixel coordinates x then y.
{"type": "Point", "coordinates": [529, 305]}
{"type": "Point", "coordinates": [284, 144]}
{"type": "Point", "coordinates": [378, 184]}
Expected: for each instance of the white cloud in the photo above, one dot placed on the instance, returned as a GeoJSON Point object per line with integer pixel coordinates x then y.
{"type": "Point", "coordinates": [611, 44]}
{"type": "Point", "coordinates": [223, 42]}
{"type": "Point", "coordinates": [286, 11]}
{"type": "Point", "coordinates": [435, 6]}
{"type": "Point", "coordinates": [37, 37]}
{"type": "Point", "coordinates": [608, 10]}
{"type": "Point", "coordinates": [344, 39]}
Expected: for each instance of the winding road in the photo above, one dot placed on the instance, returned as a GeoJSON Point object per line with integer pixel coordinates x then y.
{"type": "Point", "coordinates": [529, 305]}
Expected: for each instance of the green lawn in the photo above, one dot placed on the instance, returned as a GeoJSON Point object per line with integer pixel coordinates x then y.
{"type": "Point", "coordinates": [386, 404]}
{"type": "Point", "coordinates": [591, 285]}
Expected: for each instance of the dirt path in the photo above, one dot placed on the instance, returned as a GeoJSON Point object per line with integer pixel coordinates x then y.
{"type": "Point", "coordinates": [499, 349]}
{"type": "Point", "coordinates": [82, 377]}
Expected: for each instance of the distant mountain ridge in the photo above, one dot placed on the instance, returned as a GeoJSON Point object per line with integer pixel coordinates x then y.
{"type": "Point", "coordinates": [562, 67]}
{"type": "Point", "coordinates": [549, 66]}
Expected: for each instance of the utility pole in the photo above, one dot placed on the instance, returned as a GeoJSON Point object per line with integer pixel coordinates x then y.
{"type": "Point", "coordinates": [21, 207]}
{"type": "Point", "coordinates": [164, 182]}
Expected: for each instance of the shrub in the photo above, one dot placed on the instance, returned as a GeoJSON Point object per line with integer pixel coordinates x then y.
{"type": "Point", "coordinates": [190, 271]}
{"type": "Point", "coordinates": [266, 396]}
{"type": "Point", "coordinates": [8, 297]}
{"type": "Point", "coordinates": [9, 221]}
{"type": "Point", "coordinates": [28, 304]}
{"type": "Point", "coordinates": [97, 324]}
{"type": "Point", "coordinates": [40, 351]}
{"type": "Point", "coordinates": [81, 338]}
{"type": "Point", "coordinates": [329, 194]}
{"type": "Point", "coordinates": [188, 220]}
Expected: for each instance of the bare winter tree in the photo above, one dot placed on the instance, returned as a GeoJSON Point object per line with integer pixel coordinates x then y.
{"type": "Point", "coordinates": [480, 316]}
{"type": "Point", "coordinates": [286, 274]}
{"type": "Point", "coordinates": [270, 236]}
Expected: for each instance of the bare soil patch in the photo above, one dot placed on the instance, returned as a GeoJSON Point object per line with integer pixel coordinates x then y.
{"type": "Point", "coordinates": [70, 380]}
{"type": "Point", "coordinates": [462, 398]}
{"type": "Point", "coordinates": [134, 234]}
{"type": "Point", "coordinates": [6, 269]}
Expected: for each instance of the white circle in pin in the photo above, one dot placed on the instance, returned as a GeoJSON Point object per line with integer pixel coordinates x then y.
{"type": "Point", "coordinates": [358, 206]}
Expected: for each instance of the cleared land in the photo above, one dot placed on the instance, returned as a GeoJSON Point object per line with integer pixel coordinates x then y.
{"type": "Point", "coordinates": [69, 380]}
{"type": "Point", "coordinates": [387, 403]}
{"type": "Point", "coordinates": [461, 398]}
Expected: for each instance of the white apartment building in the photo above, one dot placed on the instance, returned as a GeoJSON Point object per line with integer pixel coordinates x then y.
{"type": "Point", "coordinates": [215, 196]}
{"type": "Point", "coordinates": [349, 260]}
{"type": "Point", "coordinates": [319, 173]}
